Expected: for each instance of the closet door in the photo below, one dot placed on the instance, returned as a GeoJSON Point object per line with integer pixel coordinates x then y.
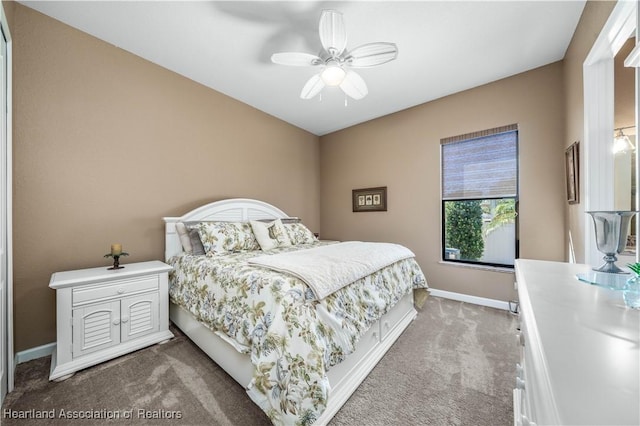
{"type": "Point", "coordinates": [4, 226]}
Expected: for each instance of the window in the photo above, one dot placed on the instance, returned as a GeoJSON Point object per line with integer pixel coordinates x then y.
{"type": "Point", "coordinates": [480, 197]}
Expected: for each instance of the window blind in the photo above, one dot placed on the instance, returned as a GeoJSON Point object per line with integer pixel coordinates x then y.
{"type": "Point", "coordinates": [480, 165]}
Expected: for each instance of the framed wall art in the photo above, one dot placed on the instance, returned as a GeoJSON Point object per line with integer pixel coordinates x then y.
{"type": "Point", "coordinates": [370, 199]}
{"type": "Point", "coordinates": [572, 163]}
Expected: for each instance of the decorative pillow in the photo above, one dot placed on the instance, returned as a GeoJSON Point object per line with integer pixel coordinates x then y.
{"type": "Point", "coordinates": [185, 240]}
{"type": "Point", "coordinates": [224, 237]}
{"type": "Point", "coordinates": [299, 234]}
{"type": "Point", "coordinates": [197, 249]}
{"type": "Point", "coordinates": [270, 235]}
{"type": "Point", "coordinates": [291, 220]}
{"type": "Point", "coordinates": [284, 220]}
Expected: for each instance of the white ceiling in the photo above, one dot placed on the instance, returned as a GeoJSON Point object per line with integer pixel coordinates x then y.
{"type": "Point", "coordinates": [444, 47]}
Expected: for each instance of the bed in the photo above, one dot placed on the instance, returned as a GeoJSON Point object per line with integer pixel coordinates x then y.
{"type": "Point", "coordinates": [299, 356]}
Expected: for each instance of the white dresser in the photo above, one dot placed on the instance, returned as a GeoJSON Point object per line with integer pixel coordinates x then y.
{"type": "Point", "coordinates": [580, 350]}
{"type": "Point", "coordinates": [102, 314]}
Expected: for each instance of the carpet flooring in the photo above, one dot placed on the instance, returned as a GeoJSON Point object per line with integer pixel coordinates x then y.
{"type": "Point", "coordinates": [454, 365]}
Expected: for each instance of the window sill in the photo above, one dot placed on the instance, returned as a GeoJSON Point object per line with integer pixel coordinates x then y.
{"type": "Point", "coordinates": [480, 267]}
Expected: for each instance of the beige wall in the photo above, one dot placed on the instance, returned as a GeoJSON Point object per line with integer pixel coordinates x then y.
{"type": "Point", "coordinates": [593, 18]}
{"type": "Point", "coordinates": [7, 6]}
{"type": "Point", "coordinates": [402, 151]}
{"type": "Point", "coordinates": [106, 144]}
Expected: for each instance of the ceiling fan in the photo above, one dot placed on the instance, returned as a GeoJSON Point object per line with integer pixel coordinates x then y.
{"type": "Point", "coordinates": [335, 61]}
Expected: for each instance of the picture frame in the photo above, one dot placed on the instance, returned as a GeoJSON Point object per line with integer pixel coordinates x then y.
{"type": "Point", "coordinates": [370, 199]}
{"type": "Point", "coordinates": [572, 168]}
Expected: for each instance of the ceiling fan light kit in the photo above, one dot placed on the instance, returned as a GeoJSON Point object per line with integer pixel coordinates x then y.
{"type": "Point", "coordinates": [336, 61]}
{"type": "Point", "coordinates": [333, 74]}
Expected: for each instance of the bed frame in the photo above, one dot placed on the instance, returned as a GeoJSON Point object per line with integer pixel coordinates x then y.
{"type": "Point", "coordinates": [344, 377]}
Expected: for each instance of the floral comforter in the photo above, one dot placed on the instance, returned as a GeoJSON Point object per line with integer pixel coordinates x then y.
{"type": "Point", "coordinates": [292, 338]}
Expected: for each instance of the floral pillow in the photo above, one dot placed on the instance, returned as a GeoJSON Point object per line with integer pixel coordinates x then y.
{"type": "Point", "coordinates": [299, 234]}
{"type": "Point", "coordinates": [225, 237]}
{"type": "Point", "coordinates": [270, 234]}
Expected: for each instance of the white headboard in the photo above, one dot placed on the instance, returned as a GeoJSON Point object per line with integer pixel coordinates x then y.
{"type": "Point", "coordinates": [231, 210]}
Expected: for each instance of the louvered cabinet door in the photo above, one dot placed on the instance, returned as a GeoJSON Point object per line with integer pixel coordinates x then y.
{"type": "Point", "coordinates": [139, 316]}
{"type": "Point", "coordinates": [96, 327]}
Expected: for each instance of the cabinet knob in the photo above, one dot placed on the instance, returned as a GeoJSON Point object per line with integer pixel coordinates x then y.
{"type": "Point", "coordinates": [125, 319]}
{"type": "Point", "coordinates": [120, 290]}
{"type": "Point", "coordinates": [116, 321]}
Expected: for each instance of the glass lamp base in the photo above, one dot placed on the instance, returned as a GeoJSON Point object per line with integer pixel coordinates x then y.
{"type": "Point", "coordinates": [631, 293]}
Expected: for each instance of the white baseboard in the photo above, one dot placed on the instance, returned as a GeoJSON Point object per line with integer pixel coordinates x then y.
{"type": "Point", "coordinates": [46, 350]}
{"type": "Point", "coordinates": [34, 353]}
{"type": "Point", "coordinates": [483, 301]}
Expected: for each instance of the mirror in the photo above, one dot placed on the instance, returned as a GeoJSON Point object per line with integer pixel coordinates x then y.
{"type": "Point", "coordinates": [624, 143]}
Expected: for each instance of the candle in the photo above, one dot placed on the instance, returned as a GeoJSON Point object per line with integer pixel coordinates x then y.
{"type": "Point", "coordinates": [116, 249]}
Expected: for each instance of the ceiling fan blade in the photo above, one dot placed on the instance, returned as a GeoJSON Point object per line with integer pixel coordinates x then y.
{"type": "Point", "coordinates": [333, 33]}
{"type": "Point", "coordinates": [295, 59]}
{"type": "Point", "coordinates": [353, 85]}
{"type": "Point", "coordinates": [312, 87]}
{"type": "Point", "coordinates": [372, 54]}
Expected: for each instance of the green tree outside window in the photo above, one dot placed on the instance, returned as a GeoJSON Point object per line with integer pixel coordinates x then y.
{"type": "Point", "coordinates": [463, 228]}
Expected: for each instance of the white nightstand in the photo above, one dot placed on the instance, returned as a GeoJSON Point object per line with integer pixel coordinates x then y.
{"type": "Point", "coordinates": [102, 314]}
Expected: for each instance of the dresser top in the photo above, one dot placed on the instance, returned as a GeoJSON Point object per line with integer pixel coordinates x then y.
{"type": "Point", "coordinates": [587, 340]}
{"type": "Point", "coordinates": [92, 275]}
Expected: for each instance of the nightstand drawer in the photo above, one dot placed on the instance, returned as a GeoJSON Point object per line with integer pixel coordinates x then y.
{"type": "Point", "coordinates": [114, 289]}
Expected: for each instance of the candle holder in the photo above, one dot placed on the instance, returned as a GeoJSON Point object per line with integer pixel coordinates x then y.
{"type": "Point", "coordinates": [116, 260]}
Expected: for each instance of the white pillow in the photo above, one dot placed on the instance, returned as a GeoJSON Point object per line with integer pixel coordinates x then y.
{"type": "Point", "coordinates": [270, 235]}
{"type": "Point", "coordinates": [185, 240]}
